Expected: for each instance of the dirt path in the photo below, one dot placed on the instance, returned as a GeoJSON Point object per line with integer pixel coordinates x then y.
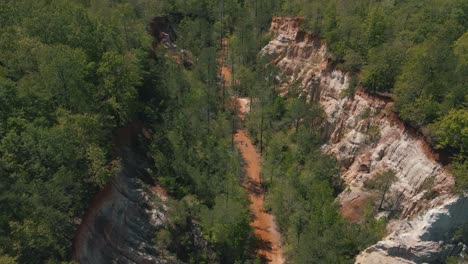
{"type": "Point", "coordinates": [263, 223]}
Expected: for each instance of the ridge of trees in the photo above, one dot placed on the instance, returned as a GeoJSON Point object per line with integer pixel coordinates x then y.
{"type": "Point", "coordinates": [71, 72]}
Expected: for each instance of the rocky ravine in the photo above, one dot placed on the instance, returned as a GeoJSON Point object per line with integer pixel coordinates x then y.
{"type": "Point", "coordinates": [121, 224]}
{"type": "Point", "coordinates": [127, 215]}
{"type": "Point", "coordinates": [368, 138]}
{"type": "Point", "coordinates": [122, 221]}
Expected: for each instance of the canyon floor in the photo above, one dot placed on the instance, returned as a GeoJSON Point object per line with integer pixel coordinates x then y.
{"type": "Point", "coordinates": [263, 223]}
{"type": "Point", "coordinates": [265, 229]}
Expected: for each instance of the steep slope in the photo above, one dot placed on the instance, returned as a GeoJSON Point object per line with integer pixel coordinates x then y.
{"type": "Point", "coordinates": [121, 223]}
{"type": "Point", "coordinates": [368, 139]}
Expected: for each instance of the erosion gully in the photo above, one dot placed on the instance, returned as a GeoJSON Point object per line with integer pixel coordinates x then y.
{"type": "Point", "coordinates": [265, 229]}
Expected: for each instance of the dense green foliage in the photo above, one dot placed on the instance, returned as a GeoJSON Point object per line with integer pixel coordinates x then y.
{"type": "Point", "coordinates": [194, 149]}
{"type": "Point", "coordinates": [71, 73]}
{"type": "Point", "coordinates": [69, 76]}
{"type": "Point", "coordinates": [197, 164]}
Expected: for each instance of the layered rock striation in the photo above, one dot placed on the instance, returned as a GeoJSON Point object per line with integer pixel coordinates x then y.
{"type": "Point", "coordinates": [369, 139]}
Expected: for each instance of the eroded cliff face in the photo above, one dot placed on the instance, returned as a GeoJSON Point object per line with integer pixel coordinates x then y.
{"type": "Point", "coordinates": [126, 216]}
{"type": "Point", "coordinates": [368, 138]}
{"type": "Point", "coordinates": [121, 224]}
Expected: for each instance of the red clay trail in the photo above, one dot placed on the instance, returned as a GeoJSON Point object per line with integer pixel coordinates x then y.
{"type": "Point", "coordinates": [263, 223]}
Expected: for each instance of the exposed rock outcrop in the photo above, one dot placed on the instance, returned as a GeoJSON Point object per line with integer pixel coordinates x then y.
{"type": "Point", "coordinates": [368, 138]}
{"type": "Point", "coordinates": [164, 35]}
{"type": "Point", "coordinates": [121, 224]}
{"type": "Point", "coordinates": [126, 217]}
{"type": "Point", "coordinates": [163, 32]}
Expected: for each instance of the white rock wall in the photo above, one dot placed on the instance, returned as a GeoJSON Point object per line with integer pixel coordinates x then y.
{"type": "Point", "coordinates": [368, 138]}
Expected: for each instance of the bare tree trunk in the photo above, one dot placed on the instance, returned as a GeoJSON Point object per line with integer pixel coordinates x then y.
{"type": "Point", "coordinates": [208, 119]}
{"type": "Point", "coordinates": [256, 9]}
{"type": "Point", "coordinates": [383, 195]}
{"type": "Point", "coordinates": [233, 131]}
{"type": "Point", "coordinates": [261, 134]}
{"type": "Point", "coordinates": [222, 24]}
{"type": "Point", "coordinates": [395, 204]}
{"type": "Point", "coordinates": [224, 94]}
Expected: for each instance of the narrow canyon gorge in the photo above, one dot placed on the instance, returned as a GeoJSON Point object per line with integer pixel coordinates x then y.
{"type": "Point", "coordinates": [364, 134]}
{"type": "Point", "coordinates": [233, 132]}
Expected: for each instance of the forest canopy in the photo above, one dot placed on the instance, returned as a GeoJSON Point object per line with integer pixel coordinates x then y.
{"type": "Point", "coordinates": [72, 72]}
